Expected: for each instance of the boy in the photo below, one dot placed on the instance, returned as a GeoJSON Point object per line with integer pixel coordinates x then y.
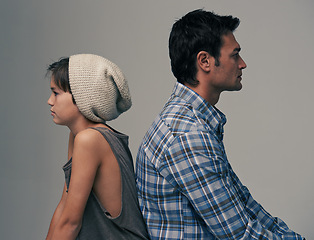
{"type": "Point", "coordinates": [99, 199]}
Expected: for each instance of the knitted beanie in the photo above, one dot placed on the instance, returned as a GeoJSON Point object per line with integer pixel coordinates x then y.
{"type": "Point", "coordinates": [98, 86]}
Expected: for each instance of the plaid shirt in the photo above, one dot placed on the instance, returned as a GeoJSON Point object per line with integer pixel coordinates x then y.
{"type": "Point", "coordinates": [187, 188]}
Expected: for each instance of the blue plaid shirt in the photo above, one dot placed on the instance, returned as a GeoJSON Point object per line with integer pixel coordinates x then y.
{"type": "Point", "coordinates": [186, 186]}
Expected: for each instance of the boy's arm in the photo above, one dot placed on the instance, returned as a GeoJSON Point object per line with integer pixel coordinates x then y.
{"type": "Point", "coordinates": [86, 159]}
{"type": "Point", "coordinates": [57, 213]}
{"type": "Point", "coordinates": [60, 206]}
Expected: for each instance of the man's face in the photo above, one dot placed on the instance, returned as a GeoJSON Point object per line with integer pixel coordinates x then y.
{"type": "Point", "coordinates": [227, 76]}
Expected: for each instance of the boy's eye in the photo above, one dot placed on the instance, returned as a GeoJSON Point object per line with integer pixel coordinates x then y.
{"type": "Point", "coordinates": [55, 93]}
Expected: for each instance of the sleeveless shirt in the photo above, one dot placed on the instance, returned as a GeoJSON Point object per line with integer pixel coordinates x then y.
{"type": "Point", "coordinates": [97, 222]}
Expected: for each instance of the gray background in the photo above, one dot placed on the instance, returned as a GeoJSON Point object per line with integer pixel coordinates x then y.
{"type": "Point", "coordinates": [269, 134]}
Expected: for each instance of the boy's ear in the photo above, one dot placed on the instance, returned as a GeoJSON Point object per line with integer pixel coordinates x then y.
{"type": "Point", "coordinates": [204, 61]}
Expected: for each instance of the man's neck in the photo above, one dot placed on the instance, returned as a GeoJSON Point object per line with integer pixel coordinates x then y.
{"type": "Point", "coordinates": [209, 96]}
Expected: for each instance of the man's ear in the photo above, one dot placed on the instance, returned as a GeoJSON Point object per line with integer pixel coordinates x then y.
{"type": "Point", "coordinates": [204, 61]}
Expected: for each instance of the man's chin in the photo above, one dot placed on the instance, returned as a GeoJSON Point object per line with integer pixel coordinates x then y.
{"type": "Point", "coordinates": [236, 88]}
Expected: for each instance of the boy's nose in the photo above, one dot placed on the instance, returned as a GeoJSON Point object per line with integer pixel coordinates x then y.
{"type": "Point", "coordinates": [49, 101]}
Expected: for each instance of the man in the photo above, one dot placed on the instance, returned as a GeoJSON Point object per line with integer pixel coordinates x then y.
{"type": "Point", "coordinates": [187, 188]}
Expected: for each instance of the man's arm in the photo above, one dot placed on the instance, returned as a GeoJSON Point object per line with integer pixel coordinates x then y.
{"type": "Point", "coordinates": [197, 164]}
{"type": "Point", "coordinates": [256, 211]}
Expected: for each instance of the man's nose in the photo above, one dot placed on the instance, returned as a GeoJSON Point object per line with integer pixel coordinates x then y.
{"type": "Point", "coordinates": [242, 64]}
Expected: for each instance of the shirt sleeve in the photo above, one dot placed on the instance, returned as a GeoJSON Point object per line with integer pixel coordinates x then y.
{"type": "Point", "coordinates": [196, 164]}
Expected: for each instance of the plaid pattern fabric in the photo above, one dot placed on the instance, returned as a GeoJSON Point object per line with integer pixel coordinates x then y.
{"type": "Point", "coordinates": [187, 188]}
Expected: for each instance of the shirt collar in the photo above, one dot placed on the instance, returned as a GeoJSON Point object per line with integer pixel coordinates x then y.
{"type": "Point", "coordinates": [210, 114]}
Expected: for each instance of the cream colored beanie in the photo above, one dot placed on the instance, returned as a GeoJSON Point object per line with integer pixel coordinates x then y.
{"type": "Point", "coordinates": [98, 86]}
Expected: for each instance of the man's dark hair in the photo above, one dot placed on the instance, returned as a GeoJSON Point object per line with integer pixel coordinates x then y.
{"type": "Point", "coordinates": [60, 72]}
{"type": "Point", "coordinates": [197, 31]}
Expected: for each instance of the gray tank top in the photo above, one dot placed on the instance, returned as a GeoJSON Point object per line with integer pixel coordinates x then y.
{"type": "Point", "coordinates": [97, 223]}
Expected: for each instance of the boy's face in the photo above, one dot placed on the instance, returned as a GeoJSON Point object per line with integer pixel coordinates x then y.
{"type": "Point", "coordinates": [63, 110]}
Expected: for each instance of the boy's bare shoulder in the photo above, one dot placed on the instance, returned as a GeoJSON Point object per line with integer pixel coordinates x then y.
{"type": "Point", "coordinates": [91, 139]}
{"type": "Point", "coordinates": [88, 134]}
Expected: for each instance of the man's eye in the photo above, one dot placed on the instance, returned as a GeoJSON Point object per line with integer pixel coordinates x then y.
{"type": "Point", "coordinates": [55, 93]}
{"type": "Point", "coordinates": [236, 55]}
